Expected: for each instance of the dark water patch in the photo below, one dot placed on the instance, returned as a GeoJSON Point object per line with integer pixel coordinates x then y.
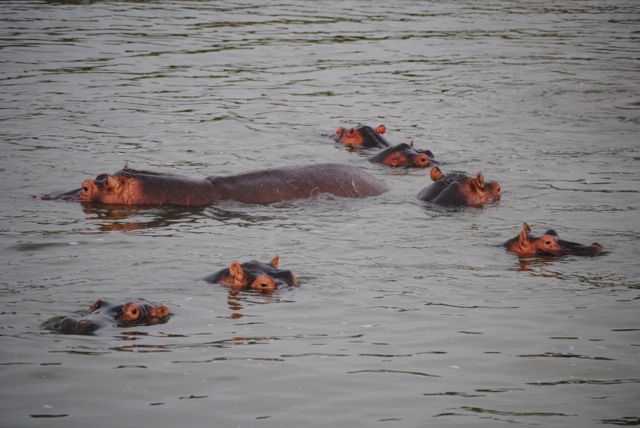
{"type": "Point", "coordinates": [454, 394]}
{"type": "Point", "coordinates": [507, 413]}
{"type": "Point", "coordinates": [213, 360]}
{"type": "Point", "coordinates": [564, 355]}
{"type": "Point", "coordinates": [469, 306]}
{"type": "Point", "coordinates": [625, 421]}
{"type": "Point", "coordinates": [393, 372]}
{"type": "Point", "coordinates": [313, 354]}
{"type": "Point", "coordinates": [585, 382]}
{"type": "Point", "coordinates": [45, 415]}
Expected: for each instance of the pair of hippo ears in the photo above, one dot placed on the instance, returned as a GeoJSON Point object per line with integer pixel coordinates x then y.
{"type": "Point", "coordinates": [524, 233]}
{"type": "Point", "coordinates": [436, 174]}
{"type": "Point", "coordinates": [527, 229]}
{"type": "Point", "coordinates": [236, 270]}
{"type": "Point", "coordinates": [342, 131]}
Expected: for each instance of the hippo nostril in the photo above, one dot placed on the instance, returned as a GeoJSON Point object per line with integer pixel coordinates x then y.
{"type": "Point", "coordinates": [85, 189]}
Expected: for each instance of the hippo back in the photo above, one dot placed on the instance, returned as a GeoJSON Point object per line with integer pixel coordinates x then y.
{"type": "Point", "coordinates": [298, 182]}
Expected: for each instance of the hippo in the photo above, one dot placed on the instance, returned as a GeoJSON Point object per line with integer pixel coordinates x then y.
{"type": "Point", "coordinates": [137, 187]}
{"type": "Point", "coordinates": [362, 136]}
{"type": "Point", "coordinates": [404, 155]}
{"type": "Point", "coordinates": [459, 190]}
{"type": "Point", "coordinates": [527, 244]}
{"type": "Point", "coordinates": [254, 275]}
{"type": "Point", "coordinates": [128, 312]}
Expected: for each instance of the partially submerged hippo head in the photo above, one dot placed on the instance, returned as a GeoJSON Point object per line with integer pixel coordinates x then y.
{"type": "Point", "coordinates": [254, 275]}
{"type": "Point", "coordinates": [119, 313]}
{"type": "Point", "coordinates": [135, 187]}
{"type": "Point", "coordinates": [528, 244]}
{"type": "Point", "coordinates": [362, 136]}
{"type": "Point", "coordinates": [404, 155]}
{"type": "Point", "coordinates": [459, 190]}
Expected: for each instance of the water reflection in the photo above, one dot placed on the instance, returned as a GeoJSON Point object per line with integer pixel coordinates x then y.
{"type": "Point", "coordinates": [238, 299]}
{"type": "Point", "coordinates": [127, 218]}
{"type": "Point", "coordinates": [114, 218]}
{"type": "Point", "coordinates": [537, 266]}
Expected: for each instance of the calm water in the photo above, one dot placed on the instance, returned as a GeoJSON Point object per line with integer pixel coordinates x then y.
{"type": "Point", "coordinates": [406, 315]}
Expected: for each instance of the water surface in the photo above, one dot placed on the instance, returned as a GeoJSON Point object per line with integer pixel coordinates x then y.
{"type": "Point", "coordinates": [406, 315]}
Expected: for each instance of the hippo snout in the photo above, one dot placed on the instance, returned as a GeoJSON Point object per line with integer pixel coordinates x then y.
{"type": "Point", "coordinates": [421, 160]}
{"type": "Point", "coordinates": [87, 190]}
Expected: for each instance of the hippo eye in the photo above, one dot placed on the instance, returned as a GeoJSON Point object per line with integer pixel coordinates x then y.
{"type": "Point", "coordinates": [130, 312]}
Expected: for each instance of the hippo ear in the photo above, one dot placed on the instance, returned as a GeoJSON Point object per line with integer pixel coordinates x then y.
{"type": "Point", "coordinates": [96, 305]}
{"type": "Point", "coordinates": [237, 273]}
{"type": "Point", "coordinates": [111, 183]}
{"type": "Point", "coordinates": [381, 129]}
{"type": "Point", "coordinates": [526, 227]}
{"type": "Point", "coordinates": [479, 181]}
{"type": "Point", "coordinates": [274, 262]}
{"type": "Point", "coordinates": [436, 174]}
{"type": "Point", "coordinates": [523, 237]}
{"type": "Point", "coordinates": [411, 143]}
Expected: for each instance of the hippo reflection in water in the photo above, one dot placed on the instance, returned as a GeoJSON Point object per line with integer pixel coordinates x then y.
{"type": "Point", "coordinates": [528, 244]}
{"type": "Point", "coordinates": [136, 187]}
{"type": "Point", "coordinates": [128, 312]}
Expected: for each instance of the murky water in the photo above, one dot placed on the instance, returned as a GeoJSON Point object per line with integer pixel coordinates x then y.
{"type": "Point", "coordinates": [406, 315]}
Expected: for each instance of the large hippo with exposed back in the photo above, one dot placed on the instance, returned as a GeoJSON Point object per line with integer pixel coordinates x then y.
{"type": "Point", "coordinates": [137, 187]}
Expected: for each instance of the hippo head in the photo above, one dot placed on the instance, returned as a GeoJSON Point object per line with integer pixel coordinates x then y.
{"type": "Point", "coordinates": [404, 155]}
{"type": "Point", "coordinates": [107, 189]}
{"type": "Point", "coordinates": [254, 275]}
{"type": "Point", "coordinates": [526, 245]}
{"type": "Point", "coordinates": [362, 136]}
{"type": "Point", "coordinates": [481, 192]}
{"type": "Point", "coordinates": [474, 192]}
{"type": "Point", "coordinates": [121, 313]}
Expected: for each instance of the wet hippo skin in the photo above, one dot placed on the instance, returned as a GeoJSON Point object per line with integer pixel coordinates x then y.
{"type": "Point", "coordinates": [138, 187]}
